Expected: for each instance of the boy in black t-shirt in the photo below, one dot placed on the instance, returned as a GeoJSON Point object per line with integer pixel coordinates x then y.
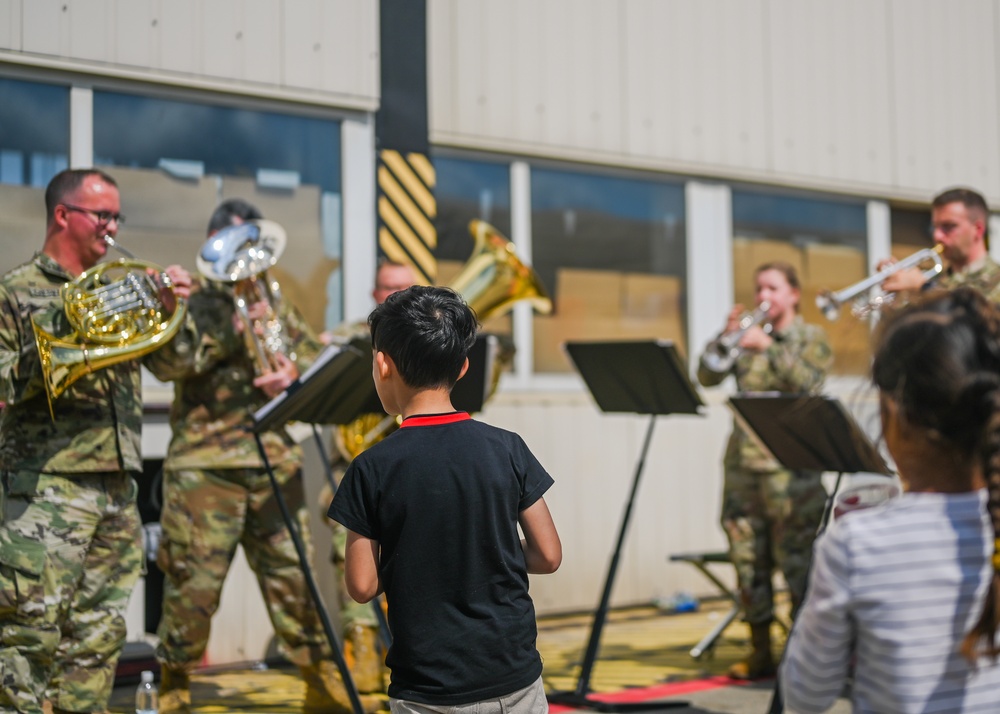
{"type": "Point", "coordinates": [432, 513]}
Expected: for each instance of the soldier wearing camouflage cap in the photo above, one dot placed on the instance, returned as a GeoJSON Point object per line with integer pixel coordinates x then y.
{"type": "Point", "coordinates": [770, 515]}
{"type": "Point", "coordinates": [217, 495]}
{"type": "Point", "coordinates": [70, 538]}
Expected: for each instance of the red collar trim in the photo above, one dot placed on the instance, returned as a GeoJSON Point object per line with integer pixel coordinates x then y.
{"type": "Point", "coordinates": [434, 419]}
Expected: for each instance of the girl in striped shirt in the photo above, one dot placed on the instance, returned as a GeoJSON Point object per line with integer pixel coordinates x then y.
{"type": "Point", "coordinates": [906, 594]}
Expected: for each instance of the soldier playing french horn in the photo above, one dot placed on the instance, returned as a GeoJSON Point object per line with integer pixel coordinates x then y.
{"type": "Point", "coordinates": [70, 539]}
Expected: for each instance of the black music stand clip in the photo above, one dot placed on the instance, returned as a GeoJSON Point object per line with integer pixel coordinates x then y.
{"type": "Point", "coordinates": [646, 377]}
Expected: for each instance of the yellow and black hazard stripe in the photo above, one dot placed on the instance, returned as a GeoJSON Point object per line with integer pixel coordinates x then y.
{"type": "Point", "coordinates": [407, 211]}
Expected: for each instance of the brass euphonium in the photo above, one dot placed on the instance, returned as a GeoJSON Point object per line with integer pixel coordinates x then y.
{"type": "Point", "coordinates": [117, 314]}
{"type": "Point", "coordinates": [492, 280]}
{"type": "Point", "coordinates": [241, 255]}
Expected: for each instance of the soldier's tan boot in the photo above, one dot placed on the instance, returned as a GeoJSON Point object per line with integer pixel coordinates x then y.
{"type": "Point", "coordinates": [175, 691]}
{"type": "Point", "coordinates": [326, 693]}
{"type": "Point", "coordinates": [760, 663]}
{"type": "Point", "coordinates": [362, 642]}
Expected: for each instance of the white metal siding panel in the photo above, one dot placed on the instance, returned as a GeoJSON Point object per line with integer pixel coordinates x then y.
{"type": "Point", "coordinates": [10, 24]}
{"type": "Point", "coordinates": [945, 93]}
{"type": "Point", "coordinates": [223, 49]}
{"type": "Point", "coordinates": [696, 83]}
{"type": "Point", "coordinates": [331, 47]}
{"type": "Point", "coordinates": [828, 65]}
{"type": "Point", "coordinates": [89, 24]}
{"type": "Point", "coordinates": [137, 33]}
{"type": "Point", "coordinates": [541, 73]}
{"type": "Point", "coordinates": [42, 26]}
{"type": "Point", "coordinates": [323, 50]}
{"type": "Point", "coordinates": [262, 41]}
{"type": "Point", "coordinates": [180, 33]}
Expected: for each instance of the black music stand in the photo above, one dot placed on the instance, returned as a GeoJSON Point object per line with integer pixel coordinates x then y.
{"type": "Point", "coordinates": [807, 432]}
{"type": "Point", "coordinates": [636, 378]}
{"type": "Point", "coordinates": [332, 391]}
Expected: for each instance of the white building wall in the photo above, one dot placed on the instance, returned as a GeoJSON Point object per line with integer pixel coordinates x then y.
{"type": "Point", "coordinates": [856, 96]}
{"type": "Point", "coordinates": [319, 51]}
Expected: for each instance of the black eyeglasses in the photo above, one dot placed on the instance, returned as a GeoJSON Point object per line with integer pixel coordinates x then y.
{"type": "Point", "coordinates": [103, 217]}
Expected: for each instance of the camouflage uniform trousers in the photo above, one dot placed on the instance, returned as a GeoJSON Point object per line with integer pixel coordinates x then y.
{"type": "Point", "coordinates": [206, 514]}
{"type": "Point", "coordinates": [770, 519]}
{"type": "Point", "coordinates": [70, 556]}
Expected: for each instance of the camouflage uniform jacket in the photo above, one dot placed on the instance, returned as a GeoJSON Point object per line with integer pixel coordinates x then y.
{"type": "Point", "coordinates": [98, 419]}
{"type": "Point", "coordinates": [214, 401]}
{"type": "Point", "coordinates": [984, 278]}
{"type": "Point", "coordinates": [797, 361]}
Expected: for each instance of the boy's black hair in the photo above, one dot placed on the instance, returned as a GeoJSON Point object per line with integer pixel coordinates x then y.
{"type": "Point", "coordinates": [427, 331]}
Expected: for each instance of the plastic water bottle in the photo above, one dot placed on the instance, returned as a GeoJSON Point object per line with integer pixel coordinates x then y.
{"type": "Point", "coordinates": [146, 696]}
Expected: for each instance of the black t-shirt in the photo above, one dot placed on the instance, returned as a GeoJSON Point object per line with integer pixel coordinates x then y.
{"type": "Point", "coordinates": [442, 496]}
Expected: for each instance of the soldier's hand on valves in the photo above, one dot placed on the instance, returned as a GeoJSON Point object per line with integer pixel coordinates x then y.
{"type": "Point", "coordinates": [179, 286]}
{"type": "Point", "coordinates": [733, 319]}
{"type": "Point", "coordinates": [904, 280]}
{"type": "Point", "coordinates": [274, 383]}
{"type": "Point", "coordinates": [756, 340]}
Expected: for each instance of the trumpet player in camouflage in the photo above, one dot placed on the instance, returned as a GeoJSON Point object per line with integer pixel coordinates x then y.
{"type": "Point", "coordinates": [769, 514]}
{"type": "Point", "coordinates": [959, 228]}
{"type": "Point", "coordinates": [217, 494]}
{"type": "Point", "coordinates": [70, 542]}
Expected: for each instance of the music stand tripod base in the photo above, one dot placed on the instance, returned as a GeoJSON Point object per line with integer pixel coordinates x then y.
{"type": "Point", "coordinates": [633, 377]}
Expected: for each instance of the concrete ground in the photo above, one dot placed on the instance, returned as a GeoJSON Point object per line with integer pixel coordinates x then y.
{"type": "Point", "coordinates": [644, 654]}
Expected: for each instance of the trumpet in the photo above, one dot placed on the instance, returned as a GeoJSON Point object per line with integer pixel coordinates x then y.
{"type": "Point", "coordinates": [117, 314]}
{"type": "Point", "coordinates": [830, 303]}
{"type": "Point", "coordinates": [721, 353]}
{"type": "Point", "coordinates": [240, 255]}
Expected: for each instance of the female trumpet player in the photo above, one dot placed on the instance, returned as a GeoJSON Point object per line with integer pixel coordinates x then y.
{"type": "Point", "coordinates": [770, 515]}
{"type": "Point", "coordinates": [909, 589]}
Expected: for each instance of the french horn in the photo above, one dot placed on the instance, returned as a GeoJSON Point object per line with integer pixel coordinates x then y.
{"type": "Point", "coordinates": [117, 314]}
{"type": "Point", "coordinates": [491, 282]}
{"type": "Point", "coordinates": [241, 255]}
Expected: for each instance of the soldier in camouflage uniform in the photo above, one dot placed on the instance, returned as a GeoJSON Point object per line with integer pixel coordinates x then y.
{"type": "Point", "coordinates": [770, 514]}
{"type": "Point", "coordinates": [70, 539]}
{"type": "Point", "coordinates": [358, 621]}
{"type": "Point", "coordinates": [217, 495]}
{"type": "Point", "coordinates": [959, 219]}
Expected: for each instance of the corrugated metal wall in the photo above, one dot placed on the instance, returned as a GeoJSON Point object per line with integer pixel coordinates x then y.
{"type": "Point", "coordinates": [322, 51]}
{"type": "Point", "coordinates": [888, 98]}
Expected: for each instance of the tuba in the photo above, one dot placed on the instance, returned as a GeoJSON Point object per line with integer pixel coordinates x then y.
{"type": "Point", "coordinates": [241, 255]}
{"type": "Point", "coordinates": [492, 280]}
{"type": "Point", "coordinates": [117, 314]}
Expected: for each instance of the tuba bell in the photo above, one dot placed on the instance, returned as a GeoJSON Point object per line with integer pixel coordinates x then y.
{"type": "Point", "coordinates": [116, 312]}
{"type": "Point", "coordinates": [492, 280]}
{"type": "Point", "coordinates": [241, 255]}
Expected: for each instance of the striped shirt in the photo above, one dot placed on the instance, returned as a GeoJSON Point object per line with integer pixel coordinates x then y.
{"type": "Point", "coordinates": [892, 593]}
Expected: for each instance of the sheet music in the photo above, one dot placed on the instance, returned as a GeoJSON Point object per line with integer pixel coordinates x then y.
{"type": "Point", "coordinates": [320, 362]}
